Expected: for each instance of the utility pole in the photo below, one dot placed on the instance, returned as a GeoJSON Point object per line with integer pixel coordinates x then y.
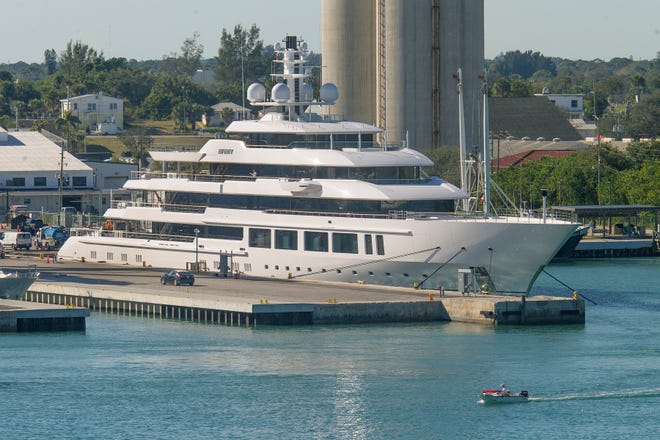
{"type": "Point", "coordinates": [597, 148]}
{"type": "Point", "coordinates": [60, 180]}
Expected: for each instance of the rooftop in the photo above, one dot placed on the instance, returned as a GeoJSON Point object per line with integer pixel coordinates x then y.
{"type": "Point", "coordinates": [32, 151]}
{"type": "Point", "coordinates": [534, 117]}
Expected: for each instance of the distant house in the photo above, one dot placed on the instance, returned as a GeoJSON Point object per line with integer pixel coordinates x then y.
{"type": "Point", "coordinates": [216, 120]}
{"type": "Point", "coordinates": [97, 113]}
{"type": "Point", "coordinates": [573, 103]}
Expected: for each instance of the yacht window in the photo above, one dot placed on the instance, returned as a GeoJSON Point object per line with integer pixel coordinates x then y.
{"type": "Point", "coordinates": [225, 232]}
{"type": "Point", "coordinates": [316, 241]}
{"type": "Point", "coordinates": [380, 245]}
{"type": "Point", "coordinates": [286, 239]}
{"type": "Point", "coordinates": [368, 245]}
{"type": "Point", "coordinates": [259, 238]}
{"type": "Point", "coordinates": [344, 243]}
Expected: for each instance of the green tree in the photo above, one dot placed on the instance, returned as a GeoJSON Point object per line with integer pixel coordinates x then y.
{"type": "Point", "coordinates": [50, 60]}
{"type": "Point", "coordinates": [241, 56]}
{"type": "Point", "coordinates": [513, 87]}
{"type": "Point", "coordinates": [78, 59]}
{"type": "Point", "coordinates": [640, 185]}
{"type": "Point", "coordinates": [641, 152]}
{"type": "Point", "coordinates": [524, 64]}
{"type": "Point", "coordinates": [446, 164]}
{"type": "Point", "coordinates": [187, 62]}
{"type": "Point", "coordinates": [645, 117]}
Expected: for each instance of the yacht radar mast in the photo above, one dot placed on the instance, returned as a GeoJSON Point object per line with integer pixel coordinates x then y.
{"type": "Point", "coordinates": [293, 91]}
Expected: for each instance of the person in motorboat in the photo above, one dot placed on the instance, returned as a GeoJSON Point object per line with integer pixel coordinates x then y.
{"type": "Point", "coordinates": [503, 395]}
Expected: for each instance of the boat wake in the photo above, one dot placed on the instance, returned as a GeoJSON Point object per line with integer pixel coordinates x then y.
{"type": "Point", "coordinates": [628, 394]}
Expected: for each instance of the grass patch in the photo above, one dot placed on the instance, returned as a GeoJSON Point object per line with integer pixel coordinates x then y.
{"type": "Point", "coordinates": [110, 144]}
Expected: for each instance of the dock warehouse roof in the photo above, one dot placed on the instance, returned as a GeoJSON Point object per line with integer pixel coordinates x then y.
{"type": "Point", "coordinates": [607, 210]}
{"type": "Point", "coordinates": [30, 151]}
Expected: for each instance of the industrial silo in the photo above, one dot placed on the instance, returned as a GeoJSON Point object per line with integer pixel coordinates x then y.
{"type": "Point", "coordinates": [393, 62]}
{"type": "Point", "coordinates": [348, 45]}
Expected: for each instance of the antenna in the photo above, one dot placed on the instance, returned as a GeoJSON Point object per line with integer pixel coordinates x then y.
{"type": "Point", "coordinates": [486, 158]}
{"type": "Point", "coordinates": [461, 133]}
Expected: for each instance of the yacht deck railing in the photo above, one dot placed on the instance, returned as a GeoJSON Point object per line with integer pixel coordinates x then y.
{"type": "Point", "coordinates": [219, 178]}
{"type": "Point", "coordinates": [507, 216]}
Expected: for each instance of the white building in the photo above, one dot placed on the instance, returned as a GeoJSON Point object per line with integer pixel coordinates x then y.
{"type": "Point", "coordinates": [30, 170]}
{"type": "Point", "coordinates": [572, 103]}
{"type": "Point", "coordinates": [97, 113]}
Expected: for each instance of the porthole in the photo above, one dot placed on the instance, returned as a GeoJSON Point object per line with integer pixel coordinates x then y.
{"type": "Point", "coordinates": [355, 272]}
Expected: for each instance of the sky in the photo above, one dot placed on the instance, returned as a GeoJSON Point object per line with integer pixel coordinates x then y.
{"type": "Point", "coordinates": [150, 29]}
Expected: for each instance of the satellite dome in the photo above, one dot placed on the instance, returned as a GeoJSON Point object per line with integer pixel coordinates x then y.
{"type": "Point", "coordinates": [329, 93]}
{"type": "Point", "coordinates": [256, 93]}
{"type": "Point", "coordinates": [306, 93]}
{"type": "Point", "coordinates": [280, 93]}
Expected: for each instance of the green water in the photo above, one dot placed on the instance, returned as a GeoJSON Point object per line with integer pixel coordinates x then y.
{"type": "Point", "coordinates": [128, 377]}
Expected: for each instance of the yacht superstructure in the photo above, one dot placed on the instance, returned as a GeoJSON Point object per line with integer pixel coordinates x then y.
{"type": "Point", "coordinates": [298, 194]}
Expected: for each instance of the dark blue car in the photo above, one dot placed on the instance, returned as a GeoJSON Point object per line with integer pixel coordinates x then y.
{"type": "Point", "coordinates": [178, 277]}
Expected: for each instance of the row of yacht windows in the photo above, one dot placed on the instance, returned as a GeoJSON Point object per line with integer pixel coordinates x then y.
{"type": "Point", "coordinates": [265, 238]}
{"type": "Point", "coordinates": [313, 141]}
{"type": "Point", "coordinates": [314, 241]}
{"type": "Point", "coordinates": [309, 204]}
{"type": "Point", "coordinates": [382, 175]}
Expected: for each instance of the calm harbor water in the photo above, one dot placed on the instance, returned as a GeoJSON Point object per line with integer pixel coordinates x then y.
{"type": "Point", "coordinates": [128, 377]}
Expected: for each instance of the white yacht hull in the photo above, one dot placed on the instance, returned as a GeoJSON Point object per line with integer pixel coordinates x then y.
{"type": "Point", "coordinates": [428, 251]}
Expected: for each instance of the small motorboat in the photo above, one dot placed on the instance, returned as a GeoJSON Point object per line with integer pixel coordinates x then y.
{"type": "Point", "coordinates": [503, 395]}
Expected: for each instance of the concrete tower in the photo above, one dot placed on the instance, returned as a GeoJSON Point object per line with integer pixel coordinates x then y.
{"type": "Point", "coordinates": [393, 62]}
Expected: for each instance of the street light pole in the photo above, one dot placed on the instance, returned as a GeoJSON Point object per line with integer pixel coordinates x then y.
{"type": "Point", "coordinates": [598, 146]}
{"type": "Point", "coordinates": [59, 212]}
{"type": "Point", "coordinates": [196, 231]}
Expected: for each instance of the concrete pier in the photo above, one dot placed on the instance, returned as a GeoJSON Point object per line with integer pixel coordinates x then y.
{"type": "Point", "coordinates": [21, 316]}
{"type": "Point", "coordinates": [250, 302]}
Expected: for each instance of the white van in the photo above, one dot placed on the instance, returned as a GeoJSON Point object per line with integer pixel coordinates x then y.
{"type": "Point", "coordinates": [16, 240]}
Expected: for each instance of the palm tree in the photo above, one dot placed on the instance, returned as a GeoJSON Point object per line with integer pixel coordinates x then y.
{"type": "Point", "coordinates": [68, 123]}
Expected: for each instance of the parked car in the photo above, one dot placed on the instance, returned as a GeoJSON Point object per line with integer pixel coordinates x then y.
{"type": "Point", "coordinates": [178, 277]}
{"type": "Point", "coordinates": [16, 240]}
